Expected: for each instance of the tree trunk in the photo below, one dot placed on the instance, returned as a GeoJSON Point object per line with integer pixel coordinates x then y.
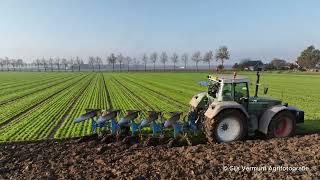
{"type": "Point", "coordinates": [51, 68]}
{"type": "Point", "coordinates": [209, 65]}
{"type": "Point", "coordinates": [197, 66]}
{"type": "Point", "coordinates": [120, 67]}
{"type": "Point", "coordinates": [58, 67]}
{"type": "Point", "coordinates": [164, 66]}
{"type": "Point", "coordinates": [222, 64]}
{"type": "Point", "coordinates": [112, 67]}
{"type": "Point", "coordinates": [145, 67]}
{"type": "Point", "coordinates": [185, 65]}
{"type": "Point", "coordinates": [99, 67]}
{"type": "Point", "coordinates": [154, 67]}
{"type": "Point", "coordinates": [128, 67]}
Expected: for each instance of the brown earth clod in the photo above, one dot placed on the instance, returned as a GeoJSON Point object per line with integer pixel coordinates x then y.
{"type": "Point", "coordinates": [102, 157]}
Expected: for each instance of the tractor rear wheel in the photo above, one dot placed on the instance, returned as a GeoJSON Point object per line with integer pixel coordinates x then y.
{"type": "Point", "coordinates": [227, 126]}
{"type": "Point", "coordinates": [282, 125]}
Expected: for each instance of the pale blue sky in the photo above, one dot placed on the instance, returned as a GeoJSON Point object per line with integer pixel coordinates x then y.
{"type": "Point", "coordinates": [250, 28]}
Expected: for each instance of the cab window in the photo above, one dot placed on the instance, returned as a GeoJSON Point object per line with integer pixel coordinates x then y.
{"type": "Point", "coordinates": [227, 92]}
{"type": "Point", "coordinates": [240, 91]}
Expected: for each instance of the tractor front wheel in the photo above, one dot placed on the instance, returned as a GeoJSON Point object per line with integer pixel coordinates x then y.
{"type": "Point", "coordinates": [227, 126]}
{"type": "Point", "coordinates": [282, 125]}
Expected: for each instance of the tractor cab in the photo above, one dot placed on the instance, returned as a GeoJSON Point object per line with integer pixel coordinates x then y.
{"type": "Point", "coordinates": [228, 88]}
{"type": "Point", "coordinates": [236, 88]}
{"type": "Point", "coordinates": [223, 88]}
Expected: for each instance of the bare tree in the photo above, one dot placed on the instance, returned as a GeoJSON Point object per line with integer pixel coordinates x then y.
{"type": "Point", "coordinates": [7, 62]}
{"type": "Point", "coordinates": [112, 60]}
{"type": "Point", "coordinates": [92, 62]}
{"type": "Point", "coordinates": [174, 59]}
{"type": "Point", "coordinates": [128, 60]}
{"type": "Point", "coordinates": [222, 54]}
{"type": "Point", "coordinates": [65, 63]}
{"type": "Point", "coordinates": [135, 62]}
{"type": "Point", "coordinates": [51, 63]}
{"type": "Point", "coordinates": [184, 59]}
{"type": "Point", "coordinates": [2, 63]}
{"type": "Point", "coordinates": [44, 63]}
{"type": "Point", "coordinates": [33, 65]}
{"type": "Point", "coordinates": [164, 59]}
{"type": "Point", "coordinates": [20, 63]}
{"type": "Point", "coordinates": [196, 57]}
{"type": "Point", "coordinates": [38, 63]}
{"type": "Point", "coordinates": [208, 56]}
{"type": "Point", "coordinates": [99, 62]}
{"type": "Point", "coordinates": [79, 62]}
{"type": "Point", "coordinates": [13, 63]}
{"type": "Point", "coordinates": [57, 62]}
{"type": "Point", "coordinates": [153, 58]}
{"type": "Point", "coordinates": [145, 61]}
{"type": "Point", "coordinates": [28, 66]}
{"type": "Point", "coordinates": [120, 59]}
{"type": "Point", "coordinates": [72, 62]}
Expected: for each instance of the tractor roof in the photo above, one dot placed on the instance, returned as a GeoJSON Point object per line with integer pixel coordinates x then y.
{"type": "Point", "coordinates": [228, 78]}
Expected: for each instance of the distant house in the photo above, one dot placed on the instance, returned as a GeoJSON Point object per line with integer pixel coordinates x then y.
{"type": "Point", "coordinates": [252, 65]}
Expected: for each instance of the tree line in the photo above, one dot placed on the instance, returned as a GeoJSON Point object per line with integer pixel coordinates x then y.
{"type": "Point", "coordinates": [97, 62]}
{"type": "Point", "coordinates": [308, 59]}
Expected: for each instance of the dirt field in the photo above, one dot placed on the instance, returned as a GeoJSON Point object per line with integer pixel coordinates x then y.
{"type": "Point", "coordinates": [98, 158]}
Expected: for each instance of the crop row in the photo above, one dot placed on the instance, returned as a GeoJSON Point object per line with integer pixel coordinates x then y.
{"type": "Point", "coordinates": [93, 97]}
{"type": "Point", "coordinates": [123, 98]}
{"type": "Point", "coordinates": [25, 81]}
{"type": "Point", "coordinates": [153, 97]}
{"type": "Point", "coordinates": [39, 123]}
{"type": "Point", "coordinates": [174, 98]}
{"type": "Point", "coordinates": [12, 109]}
{"type": "Point", "coordinates": [16, 94]}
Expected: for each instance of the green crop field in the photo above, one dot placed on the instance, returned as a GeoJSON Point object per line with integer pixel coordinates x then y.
{"type": "Point", "coordinates": [42, 105]}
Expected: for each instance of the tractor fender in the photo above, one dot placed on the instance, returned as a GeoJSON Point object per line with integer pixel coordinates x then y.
{"type": "Point", "coordinates": [216, 107]}
{"type": "Point", "coordinates": [197, 99]}
{"type": "Point", "coordinates": [266, 117]}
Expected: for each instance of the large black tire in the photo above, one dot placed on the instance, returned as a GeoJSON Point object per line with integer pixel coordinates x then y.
{"type": "Point", "coordinates": [282, 125]}
{"type": "Point", "coordinates": [211, 126]}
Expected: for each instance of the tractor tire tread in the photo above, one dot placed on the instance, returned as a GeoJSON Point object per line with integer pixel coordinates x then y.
{"type": "Point", "coordinates": [211, 124]}
{"type": "Point", "coordinates": [287, 113]}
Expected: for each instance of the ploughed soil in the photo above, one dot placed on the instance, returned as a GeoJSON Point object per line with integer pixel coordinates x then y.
{"type": "Point", "coordinates": [102, 157]}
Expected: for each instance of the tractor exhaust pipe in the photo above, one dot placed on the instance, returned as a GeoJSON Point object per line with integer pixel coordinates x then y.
{"type": "Point", "coordinates": [257, 82]}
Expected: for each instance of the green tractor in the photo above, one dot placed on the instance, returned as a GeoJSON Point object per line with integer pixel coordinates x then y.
{"type": "Point", "coordinates": [227, 113]}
